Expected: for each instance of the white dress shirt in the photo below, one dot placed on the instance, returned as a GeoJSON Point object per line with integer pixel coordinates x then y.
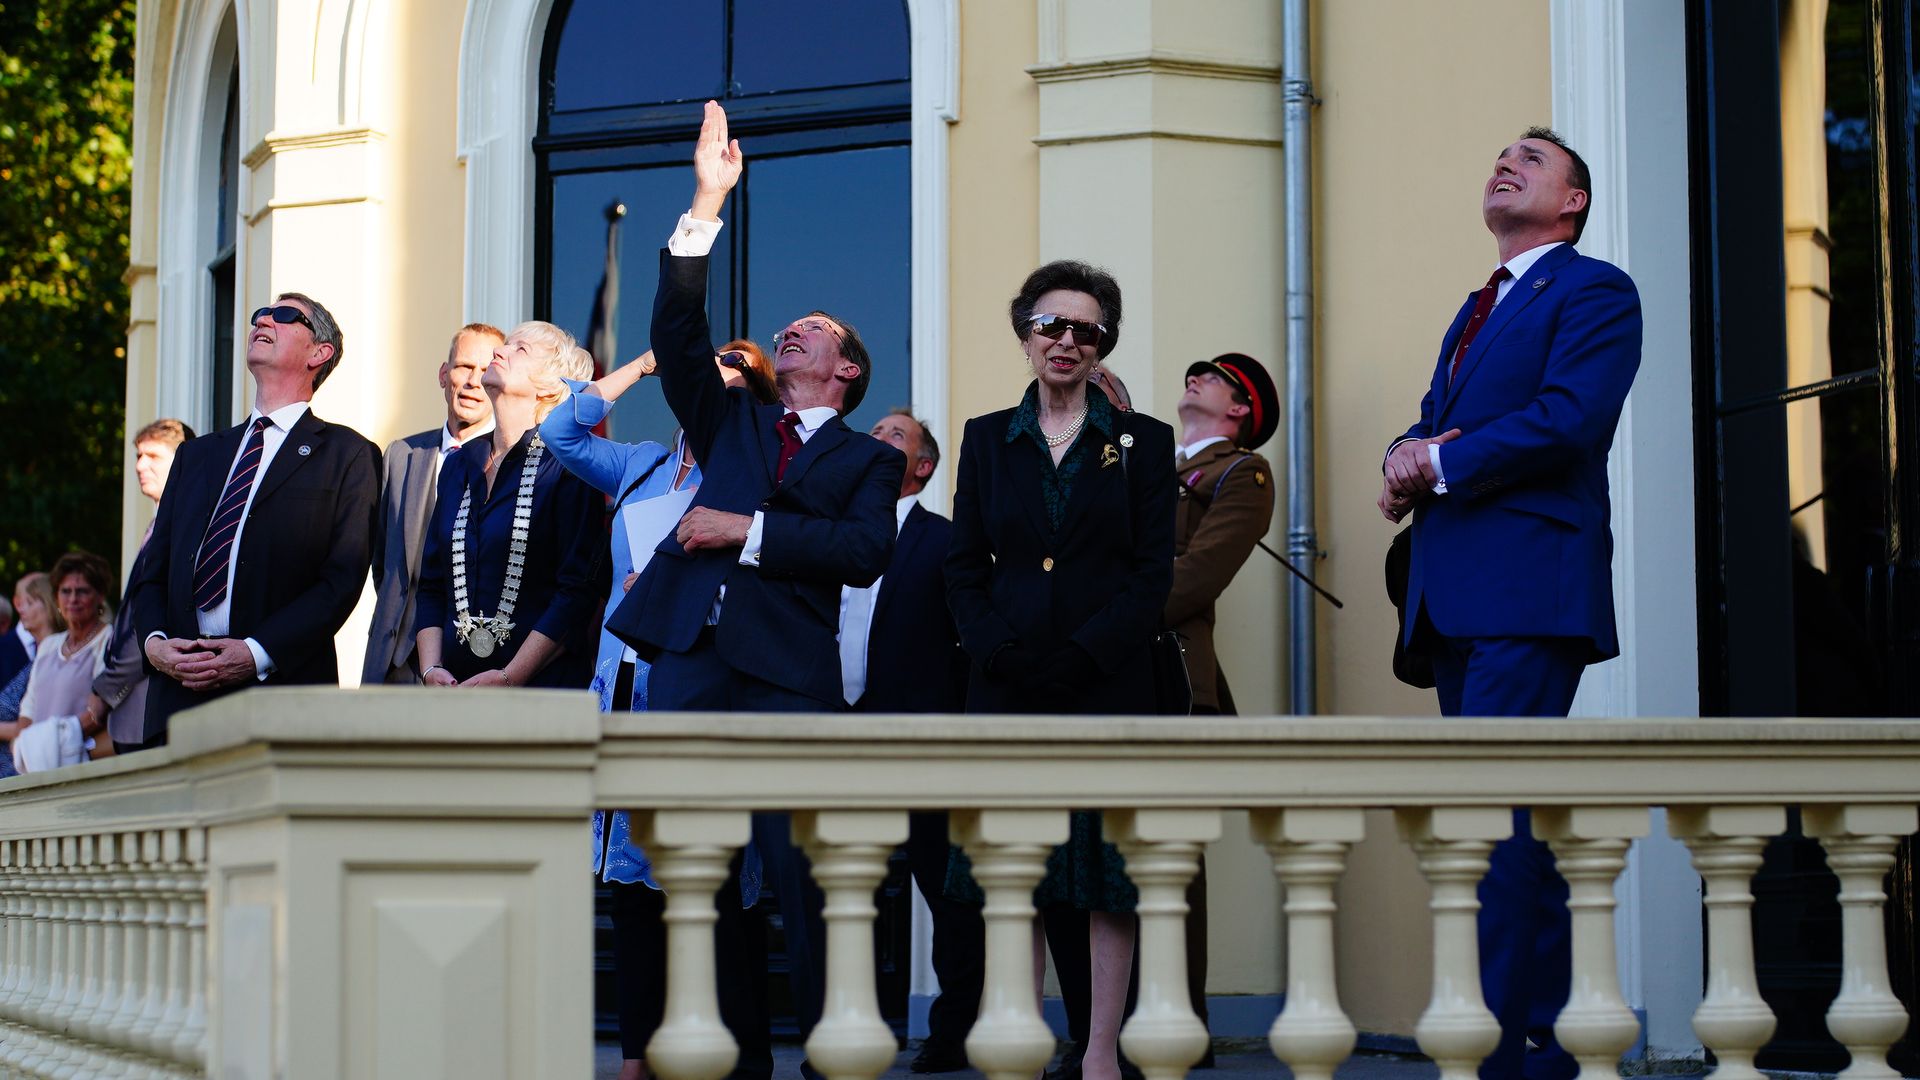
{"type": "Point", "coordinates": [1517, 267]}
{"type": "Point", "coordinates": [217, 621]}
{"type": "Point", "coordinates": [856, 617]}
{"type": "Point", "coordinates": [1189, 451]}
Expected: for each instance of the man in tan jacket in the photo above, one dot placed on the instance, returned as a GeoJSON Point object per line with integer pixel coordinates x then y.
{"type": "Point", "coordinates": [1226, 503]}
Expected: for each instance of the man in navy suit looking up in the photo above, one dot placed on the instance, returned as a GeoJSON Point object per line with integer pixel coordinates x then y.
{"type": "Point", "coordinates": [738, 611]}
{"type": "Point", "coordinates": [1510, 590]}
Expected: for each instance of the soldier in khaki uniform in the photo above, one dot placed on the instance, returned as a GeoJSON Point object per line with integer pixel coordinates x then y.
{"type": "Point", "coordinates": [1226, 503]}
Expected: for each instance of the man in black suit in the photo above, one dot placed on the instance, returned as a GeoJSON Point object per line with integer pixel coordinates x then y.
{"type": "Point", "coordinates": [265, 533]}
{"type": "Point", "coordinates": [406, 502]}
{"type": "Point", "coordinates": [899, 653]}
{"type": "Point", "coordinates": [737, 611]}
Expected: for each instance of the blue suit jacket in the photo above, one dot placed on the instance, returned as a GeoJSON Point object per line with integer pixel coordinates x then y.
{"type": "Point", "coordinates": [829, 522]}
{"type": "Point", "coordinates": [1521, 545]}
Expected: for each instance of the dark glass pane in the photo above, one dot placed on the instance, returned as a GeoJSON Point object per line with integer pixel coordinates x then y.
{"type": "Point", "coordinates": [654, 199]}
{"type": "Point", "coordinates": [783, 45]}
{"type": "Point", "coordinates": [639, 52]}
{"type": "Point", "coordinates": [220, 406]}
{"type": "Point", "coordinates": [1839, 531]}
{"type": "Point", "coordinates": [225, 211]}
{"type": "Point", "coordinates": [831, 231]}
{"type": "Point", "coordinates": [1852, 222]}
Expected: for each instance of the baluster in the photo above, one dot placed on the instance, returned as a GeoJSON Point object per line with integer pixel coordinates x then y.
{"type": "Point", "coordinates": [61, 856]}
{"type": "Point", "coordinates": [1590, 850]}
{"type": "Point", "coordinates": [1163, 847]}
{"type": "Point", "coordinates": [101, 1026]}
{"type": "Point", "coordinates": [170, 890]}
{"type": "Point", "coordinates": [1732, 1020]}
{"type": "Point", "coordinates": [691, 851]}
{"type": "Point", "coordinates": [13, 939]}
{"type": "Point", "coordinates": [134, 989]}
{"type": "Point", "coordinates": [1866, 1017]}
{"type": "Point", "coordinates": [1453, 844]}
{"type": "Point", "coordinates": [146, 1034]}
{"type": "Point", "coordinates": [190, 1042]}
{"type": "Point", "coordinates": [1309, 847]}
{"type": "Point", "coordinates": [1009, 850]}
{"type": "Point", "coordinates": [83, 958]}
{"type": "Point", "coordinates": [95, 1006]}
{"type": "Point", "coordinates": [849, 851]}
{"type": "Point", "coordinates": [35, 953]}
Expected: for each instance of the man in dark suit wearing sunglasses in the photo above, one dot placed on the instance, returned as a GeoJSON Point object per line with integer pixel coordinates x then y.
{"type": "Point", "coordinates": [265, 534]}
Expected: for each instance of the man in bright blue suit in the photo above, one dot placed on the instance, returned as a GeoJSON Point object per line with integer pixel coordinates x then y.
{"type": "Point", "coordinates": [1510, 591]}
{"type": "Point", "coordinates": [739, 609]}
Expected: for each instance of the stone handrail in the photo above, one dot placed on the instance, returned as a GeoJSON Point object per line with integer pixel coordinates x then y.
{"type": "Point", "coordinates": [374, 883]}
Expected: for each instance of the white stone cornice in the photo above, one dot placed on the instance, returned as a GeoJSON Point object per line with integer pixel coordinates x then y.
{"type": "Point", "coordinates": [277, 142]}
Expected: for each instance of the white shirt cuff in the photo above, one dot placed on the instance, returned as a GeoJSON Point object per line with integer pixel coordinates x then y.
{"type": "Point", "coordinates": [692, 236]}
{"type": "Point", "coordinates": [1433, 455]}
{"type": "Point", "coordinates": [262, 665]}
{"type": "Point", "coordinates": [750, 551]}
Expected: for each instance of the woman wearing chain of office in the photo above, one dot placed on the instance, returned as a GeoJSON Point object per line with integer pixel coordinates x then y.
{"type": "Point", "coordinates": [512, 574]}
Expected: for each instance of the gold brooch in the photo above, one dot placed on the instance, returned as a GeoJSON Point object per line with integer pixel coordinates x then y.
{"type": "Point", "coordinates": [1108, 456]}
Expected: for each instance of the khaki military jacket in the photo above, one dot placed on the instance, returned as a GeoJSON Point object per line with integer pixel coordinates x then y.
{"type": "Point", "coordinates": [1225, 505]}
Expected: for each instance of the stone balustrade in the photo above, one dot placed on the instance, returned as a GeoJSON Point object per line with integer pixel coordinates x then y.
{"type": "Point", "coordinates": [392, 883]}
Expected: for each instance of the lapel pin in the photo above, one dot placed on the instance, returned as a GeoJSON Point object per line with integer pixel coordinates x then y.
{"type": "Point", "coordinates": [1539, 283]}
{"type": "Point", "coordinates": [1127, 440]}
{"type": "Point", "coordinates": [1108, 455]}
{"type": "Point", "coordinates": [305, 449]}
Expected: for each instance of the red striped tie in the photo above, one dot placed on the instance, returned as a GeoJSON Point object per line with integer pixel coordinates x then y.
{"type": "Point", "coordinates": [216, 548]}
{"type": "Point", "coordinates": [789, 431]}
{"type": "Point", "coordinates": [1482, 307]}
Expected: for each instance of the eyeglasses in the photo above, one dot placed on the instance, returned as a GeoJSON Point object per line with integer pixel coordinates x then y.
{"type": "Point", "coordinates": [1055, 327]}
{"type": "Point", "coordinates": [284, 314]}
{"type": "Point", "coordinates": [733, 359]}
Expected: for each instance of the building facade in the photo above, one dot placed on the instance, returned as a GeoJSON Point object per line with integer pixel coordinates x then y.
{"type": "Point", "coordinates": [417, 165]}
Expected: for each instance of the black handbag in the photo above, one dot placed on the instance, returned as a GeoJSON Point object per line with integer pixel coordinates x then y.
{"type": "Point", "coordinates": [1410, 665]}
{"type": "Point", "coordinates": [1172, 683]}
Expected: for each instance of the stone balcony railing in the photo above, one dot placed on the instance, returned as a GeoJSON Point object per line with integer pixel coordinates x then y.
{"type": "Point", "coordinates": [373, 884]}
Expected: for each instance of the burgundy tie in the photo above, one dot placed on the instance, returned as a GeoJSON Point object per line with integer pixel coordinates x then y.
{"type": "Point", "coordinates": [216, 548]}
{"type": "Point", "coordinates": [1482, 307]}
{"type": "Point", "coordinates": [789, 429]}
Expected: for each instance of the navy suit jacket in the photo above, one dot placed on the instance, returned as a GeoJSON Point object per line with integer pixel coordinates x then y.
{"type": "Point", "coordinates": [300, 565]}
{"type": "Point", "coordinates": [1521, 545]}
{"type": "Point", "coordinates": [406, 506]}
{"type": "Point", "coordinates": [828, 522]}
{"type": "Point", "coordinates": [914, 661]}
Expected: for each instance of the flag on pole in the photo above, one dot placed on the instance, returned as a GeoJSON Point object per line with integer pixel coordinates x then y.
{"type": "Point", "coordinates": [603, 329]}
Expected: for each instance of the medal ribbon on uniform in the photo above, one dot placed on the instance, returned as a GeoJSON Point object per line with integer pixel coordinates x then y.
{"type": "Point", "coordinates": [480, 634]}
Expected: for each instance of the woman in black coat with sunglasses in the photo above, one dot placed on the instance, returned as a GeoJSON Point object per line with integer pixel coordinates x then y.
{"type": "Point", "coordinates": [1061, 562]}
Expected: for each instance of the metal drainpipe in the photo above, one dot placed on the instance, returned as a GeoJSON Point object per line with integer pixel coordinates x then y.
{"type": "Point", "coordinates": [1302, 541]}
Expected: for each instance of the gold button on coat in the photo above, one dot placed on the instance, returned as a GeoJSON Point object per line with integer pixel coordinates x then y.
{"type": "Point", "coordinates": [1047, 564]}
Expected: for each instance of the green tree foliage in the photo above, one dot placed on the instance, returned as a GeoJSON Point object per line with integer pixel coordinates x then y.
{"type": "Point", "coordinates": [66, 123]}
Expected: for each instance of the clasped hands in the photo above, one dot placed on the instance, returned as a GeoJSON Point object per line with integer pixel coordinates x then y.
{"type": "Point", "coordinates": [1409, 476]}
{"type": "Point", "coordinates": [202, 664]}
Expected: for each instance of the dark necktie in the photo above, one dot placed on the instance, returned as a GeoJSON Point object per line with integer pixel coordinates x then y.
{"type": "Point", "coordinates": [216, 548]}
{"type": "Point", "coordinates": [1482, 307]}
{"type": "Point", "coordinates": [789, 429]}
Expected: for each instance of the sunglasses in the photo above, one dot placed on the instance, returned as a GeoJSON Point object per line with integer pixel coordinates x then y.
{"type": "Point", "coordinates": [284, 314]}
{"type": "Point", "coordinates": [1055, 327]}
{"type": "Point", "coordinates": [733, 359]}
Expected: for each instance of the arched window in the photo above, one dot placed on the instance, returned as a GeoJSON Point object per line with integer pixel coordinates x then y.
{"type": "Point", "coordinates": [817, 94]}
{"type": "Point", "coordinates": [220, 284]}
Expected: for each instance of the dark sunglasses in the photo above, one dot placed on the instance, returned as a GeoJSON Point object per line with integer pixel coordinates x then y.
{"type": "Point", "coordinates": [733, 359]}
{"type": "Point", "coordinates": [284, 314]}
{"type": "Point", "coordinates": [1055, 327]}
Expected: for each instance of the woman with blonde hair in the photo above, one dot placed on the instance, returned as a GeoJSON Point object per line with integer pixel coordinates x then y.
{"type": "Point", "coordinates": [510, 576]}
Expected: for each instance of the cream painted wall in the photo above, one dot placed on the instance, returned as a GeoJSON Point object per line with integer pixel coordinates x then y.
{"type": "Point", "coordinates": [1398, 164]}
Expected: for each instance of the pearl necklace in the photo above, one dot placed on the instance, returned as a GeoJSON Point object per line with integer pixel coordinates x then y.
{"type": "Point", "coordinates": [480, 634]}
{"type": "Point", "coordinates": [1065, 437]}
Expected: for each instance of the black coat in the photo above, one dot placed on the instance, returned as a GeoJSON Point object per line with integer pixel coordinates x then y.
{"type": "Point", "coordinates": [914, 661]}
{"type": "Point", "coordinates": [300, 564]}
{"type": "Point", "coordinates": [1101, 583]}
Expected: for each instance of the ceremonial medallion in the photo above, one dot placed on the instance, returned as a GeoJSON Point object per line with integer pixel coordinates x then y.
{"type": "Point", "coordinates": [481, 642]}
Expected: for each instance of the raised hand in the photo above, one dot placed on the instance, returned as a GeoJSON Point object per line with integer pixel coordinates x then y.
{"type": "Point", "coordinates": [717, 164]}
